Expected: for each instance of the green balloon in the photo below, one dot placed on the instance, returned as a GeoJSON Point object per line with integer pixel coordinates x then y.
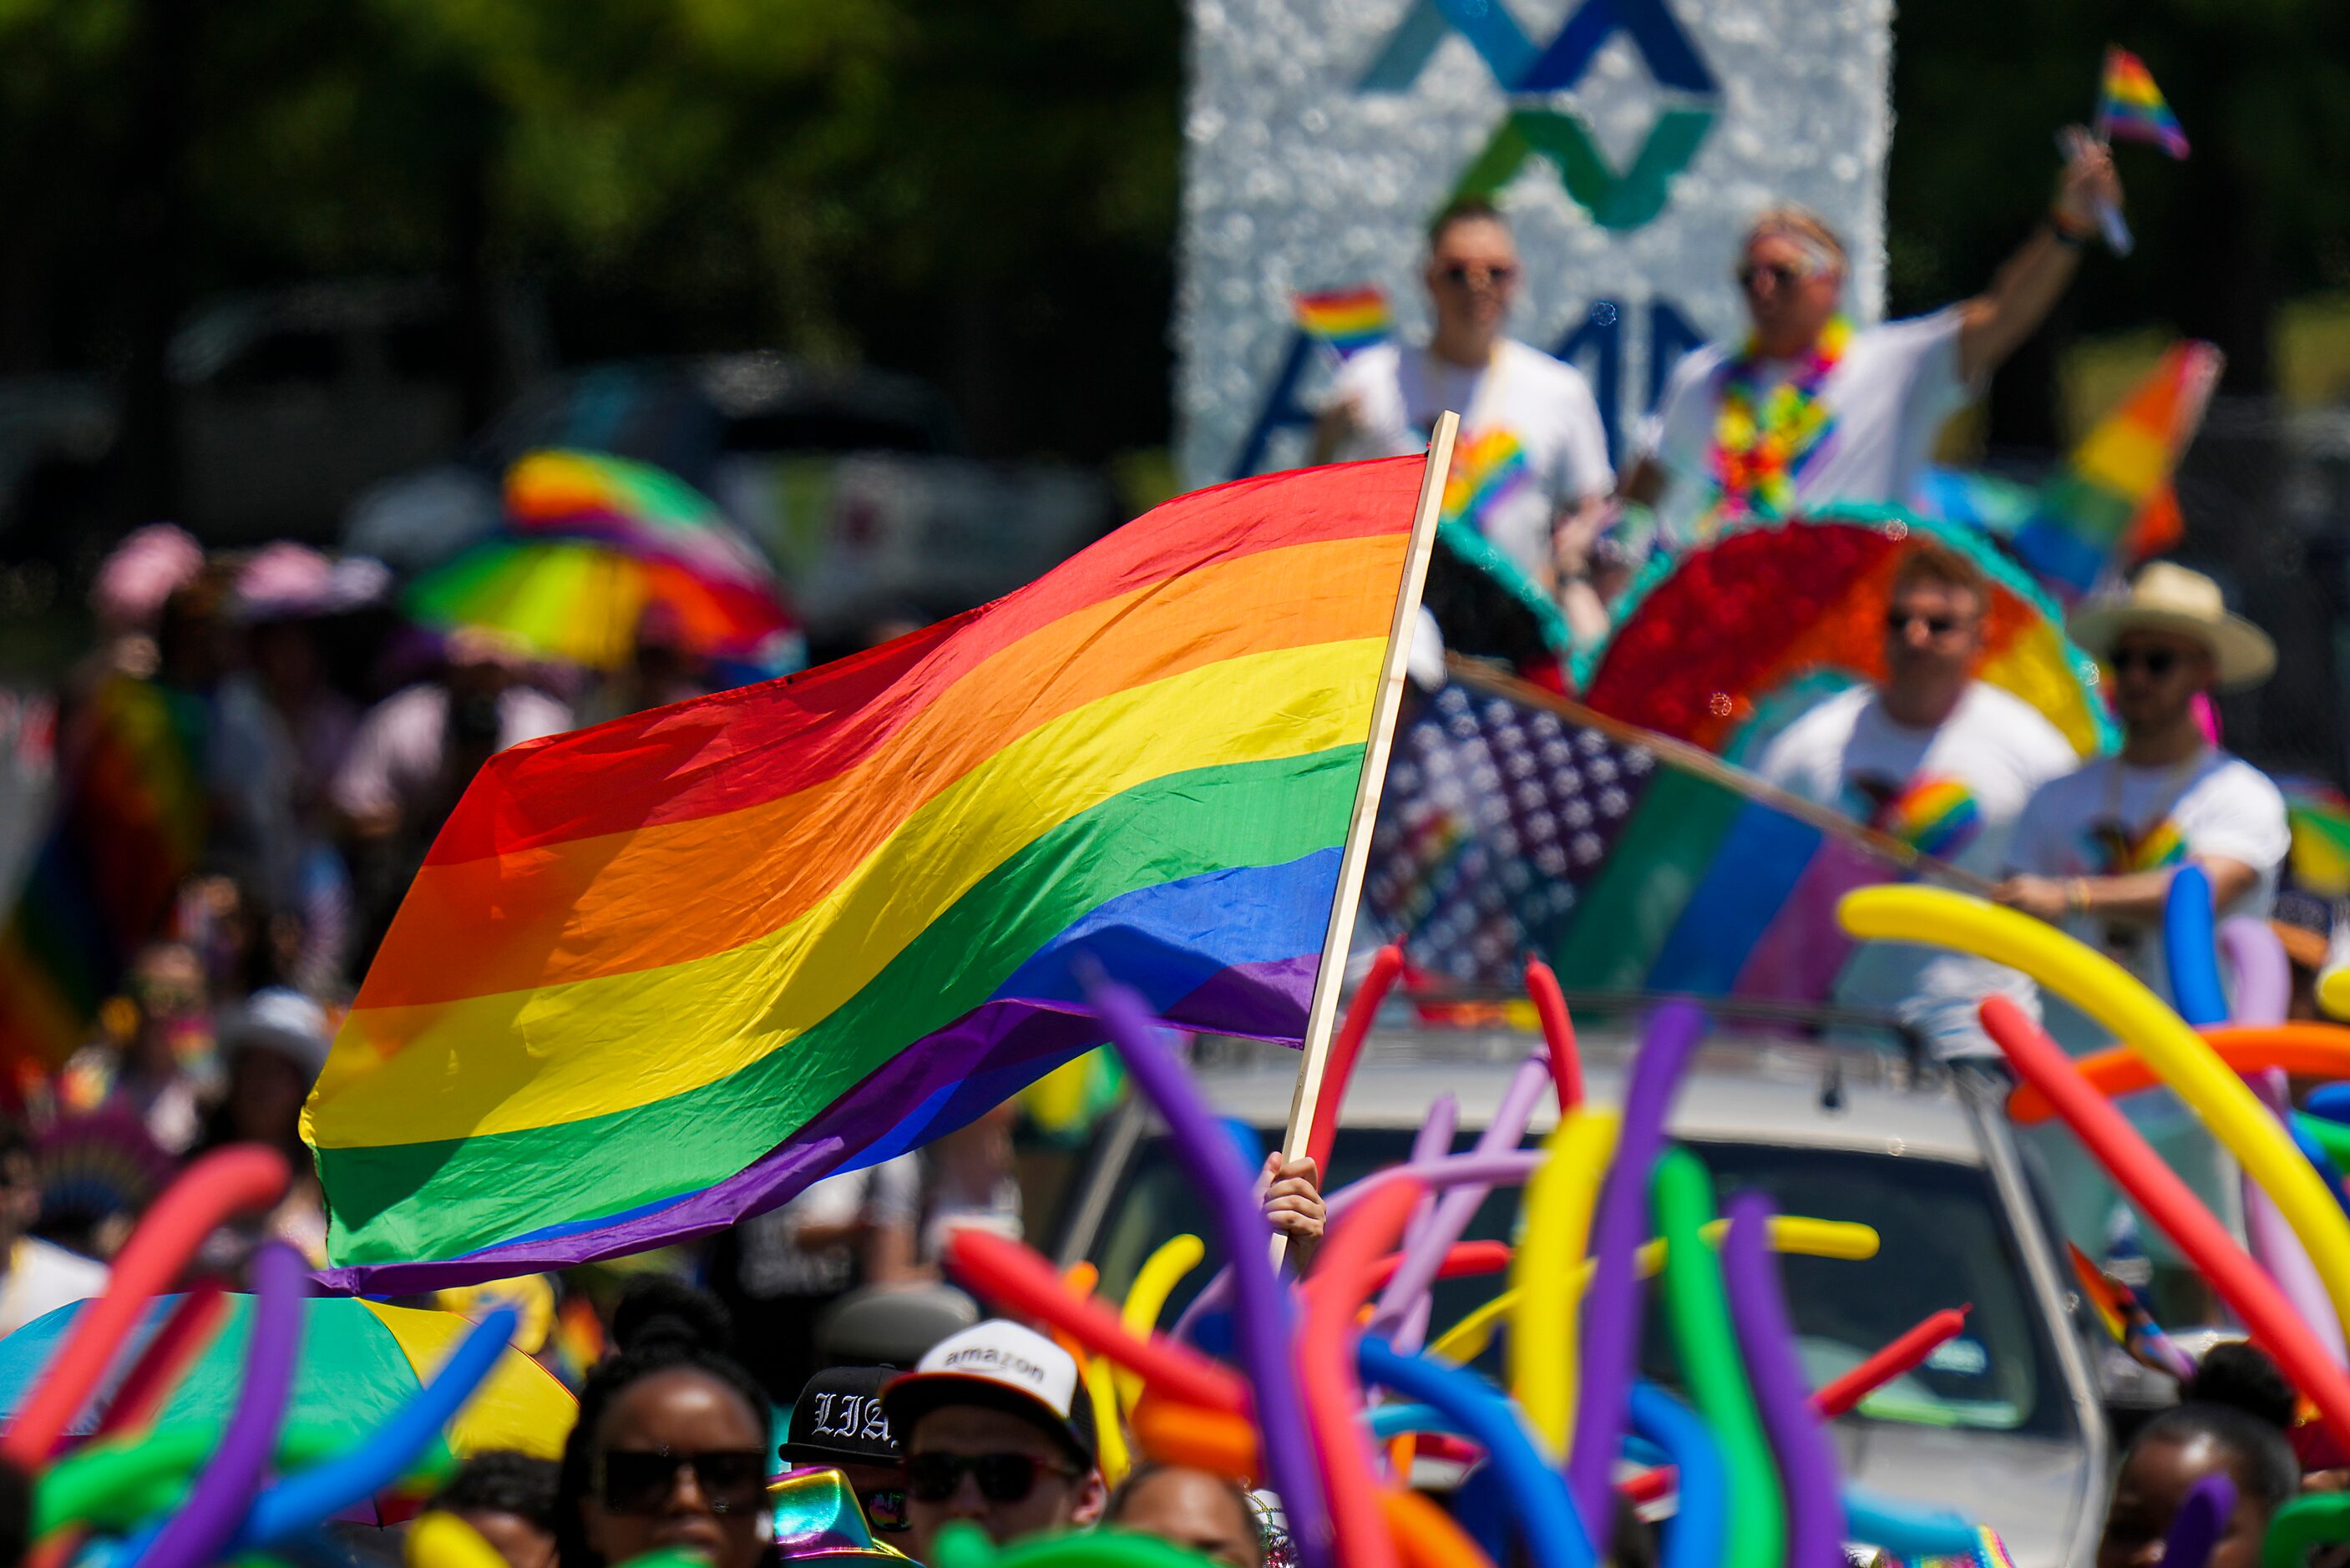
{"type": "Point", "coordinates": [963, 1546]}
{"type": "Point", "coordinates": [2308, 1521]}
{"type": "Point", "coordinates": [1699, 1310]}
{"type": "Point", "coordinates": [114, 1485]}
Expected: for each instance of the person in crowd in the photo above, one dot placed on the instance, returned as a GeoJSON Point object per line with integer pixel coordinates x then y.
{"type": "Point", "coordinates": [272, 1050]}
{"type": "Point", "coordinates": [1928, 742]}
{"type": "Point", "coordinates": [1292, 1206]}
{"type": "Point", "coordinates": [1196, 1510]}
{"type": "Point", "coordinates": [2095, 850]}
{"type": "Point", "coordinates": [1809, 409]}
{"type": "Point", "coordinates": [778, 1271]}
{"type": "Point", "coordinates": [418, 749]}
{"type": "Point", "coordinates": [968, 1182]}
{"type": "Point", "coordinates": [127, 598]}
{"type": "Point", "coordinates": [1531, 452]}
{"type": "Point", "coordinates": [38, 1277]}
{"type": "Point", "coordinates": [837, 1422]}
{"type": "Point", "coordinates": [670, 1448]}
{"type": "Point", "coordinates": [158, 1072]}
{"type": "Point", "coordinates": [999, 1434]}
{"type": "Point", "coordinates": [508, 1499]}
{"type": "Point", "coordinates": [2232, 1419]}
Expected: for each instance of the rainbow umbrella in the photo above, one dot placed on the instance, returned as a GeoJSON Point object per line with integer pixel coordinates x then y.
{"type": "Point", "coordinates": [594, 545]}
{"type": "Point", "coordinates": [1726, 642]}
{"type": "Point", "coordinates": [361, 1361]}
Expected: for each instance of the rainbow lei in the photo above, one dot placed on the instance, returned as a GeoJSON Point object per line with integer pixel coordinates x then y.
{"type": "Point", "coordinates": [1757, 454]}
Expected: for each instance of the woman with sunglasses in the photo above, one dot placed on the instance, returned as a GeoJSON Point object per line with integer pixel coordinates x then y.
{"type": "Point", "coordinates": [672, 1445]}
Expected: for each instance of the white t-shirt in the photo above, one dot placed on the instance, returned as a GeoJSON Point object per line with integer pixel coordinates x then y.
{"type": "Point", "coordinates": [1890, 395]}
{"type": "Point", "coordinates": [42, 1278]}
{"type": "Point", "coordinates": [1964, 784]}
{"type": "Point", "coordinates": [1531, 436]}
{"type": "Point", "coordinates": [2109, 819]}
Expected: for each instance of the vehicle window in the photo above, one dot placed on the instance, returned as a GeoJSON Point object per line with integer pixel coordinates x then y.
{"type": "Point", "coordinates": [1942, 1242]}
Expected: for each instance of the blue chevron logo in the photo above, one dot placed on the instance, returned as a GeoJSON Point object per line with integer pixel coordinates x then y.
{"type": "Point", "coordinates": [1615, 199]}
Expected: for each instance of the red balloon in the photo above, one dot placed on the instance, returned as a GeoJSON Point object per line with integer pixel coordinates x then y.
{"type": "Point", "coordinates": [2304, 1049]}
{"type": "Point", "coordinates": [1558, 1032]}
{"type": "Point", "coordinates": [233, 1180]}
{"type": "Point", "coordinates": [1017, 1277]}
{"type": "Point", "coordinates": [1346, 1050]}
{"type": "Point", "coordinates": [2156, 1188]}
{"type": "Point", "coordinates": [1839, 1395]}
{"type": "Point", "coordinates": [1325, 1372]}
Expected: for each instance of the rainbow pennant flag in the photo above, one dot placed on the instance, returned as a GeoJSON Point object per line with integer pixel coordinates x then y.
{"type": "Point", "coordinates": [2130, 107]}
{"type": "Point", "coordinates": [1346, 321]}
{"type": "Point", "coordinates": [2320, 818]}
{"type": "Point", "coordinates": [2112, 504]}
{"type": "Point", "coordinates": [130, 825]}
{"type": "Point", "coordinates": [664, 972]}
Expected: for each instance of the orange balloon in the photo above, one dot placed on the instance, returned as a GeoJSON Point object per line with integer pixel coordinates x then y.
{"type": "Point", "coordinates": [2302, 1050]}
{"type": "Point", "coordinates": [1169, 1433]}
{"type": "Point", "coordinates": [1427, 1534]}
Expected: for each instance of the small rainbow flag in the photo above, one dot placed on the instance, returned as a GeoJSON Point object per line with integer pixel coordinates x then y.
{"type": "Point", "coordinates": [1937, 817]}
{"type": "Point", "coordinates": [2131, 107]}
{"type": "Point", "coordinates": [664, 972]}
{"type": "Point", "coordinates": [1485, 468]}
{"type": "Point", "coordinates": [2320, 818]}
{"type": "Point", "coordinates": [1346, 321]}
{"type": "Point", "coordinates": [2112, 504]}
{"type": "Point", "coordinates": [2120, 855]}
{"type": "Point", "coordinates": [2126, 1316]}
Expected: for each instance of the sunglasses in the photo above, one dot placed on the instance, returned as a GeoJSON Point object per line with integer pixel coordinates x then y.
{"type": "Point", "coordinates": [641, 1482]}
{"type": "Point", "coordinates": [885, 1511]}
{"type": "Point", "coordinates": [1459, 275]}
{"type": "Point", "coordinates": [1899, 621]}
{"type": "Point", "coordinates": [1002, 1478]}
{"type": "Point", "coordinates": [2155, 661]}
{"type": "Point", "coordinates": [1783, 274]}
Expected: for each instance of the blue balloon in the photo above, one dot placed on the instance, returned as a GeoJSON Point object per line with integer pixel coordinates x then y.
{"type": "Point", "coordinates": [2330, 1101]}
{"type": "Point", "coordinates": [1548, 1526]}
{"type": "Point", "coordinates": [2191, 943]}
{"type": "Point", "coordinates": [1905, 1529]}
{"type": "Point", "coordinates": [2314, 1152]}
{"type": "Point", "coordinates": [1395, 1420]}
{"type": "Point", "coordinates": [1700, 1531]}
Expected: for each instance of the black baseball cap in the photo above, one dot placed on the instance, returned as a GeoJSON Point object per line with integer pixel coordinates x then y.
{"type": "Point", "coordinates": [838, 1419]}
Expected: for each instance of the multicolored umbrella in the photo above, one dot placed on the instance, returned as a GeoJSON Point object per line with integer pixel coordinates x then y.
{"type": "Point", "coordinates": [597, 549]}
{"type": "Point", "coordinates": [1724, 644]}
{"type": "Point", "coordinates": [361, 1361]}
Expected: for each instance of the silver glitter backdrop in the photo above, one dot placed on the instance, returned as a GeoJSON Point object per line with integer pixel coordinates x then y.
{"type": "Point", "coordinates": [1297, 180]}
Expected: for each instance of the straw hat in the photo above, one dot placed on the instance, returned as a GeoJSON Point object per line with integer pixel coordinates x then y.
{"type": "Point", "coordinates": [2167, 598]}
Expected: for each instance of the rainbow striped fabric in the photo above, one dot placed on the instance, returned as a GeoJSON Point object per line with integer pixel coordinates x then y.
{"type": "Point", "coordinates": [2112, 504]}
{"type": "Point", "coordinates": [1346, 321]}
{"type": "Point", "coordinates": [130, 825]}
{"type": "Point", "coordinates": [2320, 818]}
{"type": "Point", "coordinates": [1938, 816]}
{"type": "Point", "coordinates": [2131, 107]}
{"type": "Point", "coordinates": [658, 973]}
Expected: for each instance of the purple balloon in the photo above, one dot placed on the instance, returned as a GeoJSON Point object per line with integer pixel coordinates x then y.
{"type": "Point", "coordinates": [2263, 973]}
{"type": "Point", "coordinates": [1261, 1325]}
{"type": "Point", "coordinates": [216, 1503]}
{"type": "Point", "coordinates": [1425, 1254]}
{"type": "Point", "coordinates": [2195, 1529]}
{"type": "Point", "coordinates": [1433, 1139]}
{"type": "Point", "coordinates": [1807, 1463]}
{"type": "Point", "coordinates": [1611, 1306]}
{"type": "Point", "coordinates": [2273, 1244]}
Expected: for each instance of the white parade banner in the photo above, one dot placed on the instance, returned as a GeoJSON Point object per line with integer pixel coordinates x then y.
{"type": "Point", "coordinates": [1630, 142]}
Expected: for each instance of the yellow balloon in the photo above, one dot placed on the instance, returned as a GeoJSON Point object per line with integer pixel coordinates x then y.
{"type": "Point", "coordinates": [2334, 991]}
{"type": "Point", "coordinates": [1542, 1351]}
{"type": "Point", "coordinates": [1153, 1283]}
{"type": "Point", "coordinates": [438, 1539]}
{"type": "Point", "coordinates": [1101, 1387]}
{"type": "Point", "coordinates": [1797, 1233]}
{"type": "Point", "coordinates": [2135, 1016]}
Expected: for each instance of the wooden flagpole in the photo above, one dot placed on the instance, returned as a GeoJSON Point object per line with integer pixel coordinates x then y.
{"type": "Point", "coordinates": [1479, 676]}
{"type": "Point", "coordinates": [1322, 1015]}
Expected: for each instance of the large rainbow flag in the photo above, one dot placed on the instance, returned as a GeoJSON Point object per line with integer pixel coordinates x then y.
{"type": "Point", "coordinates": [130, 825]}
{"type": "Point", "coordinates": [2112, 504]}
{"type": "Point", "coordinates": [664, 973]}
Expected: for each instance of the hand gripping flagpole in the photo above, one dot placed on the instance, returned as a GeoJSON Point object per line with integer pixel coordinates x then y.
{"type": "Point", "coordinates": [1322, 1014]}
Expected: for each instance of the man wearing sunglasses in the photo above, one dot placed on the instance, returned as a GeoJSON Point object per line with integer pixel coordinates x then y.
{"type": "Point", "coordinates": [2094, 851]}
{"type": "Point", "coordinates": [1810, 409]}
{"type": "Point", "coordinates": [1531, 461]}
{"type": "Point", "coordinates": [998, 1433]}
{"type": "Point", "coordinates": [1939, 759]}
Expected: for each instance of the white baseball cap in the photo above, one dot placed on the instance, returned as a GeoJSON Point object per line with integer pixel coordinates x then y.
{"type": "Point", "coordinates": [1001, 1366]}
